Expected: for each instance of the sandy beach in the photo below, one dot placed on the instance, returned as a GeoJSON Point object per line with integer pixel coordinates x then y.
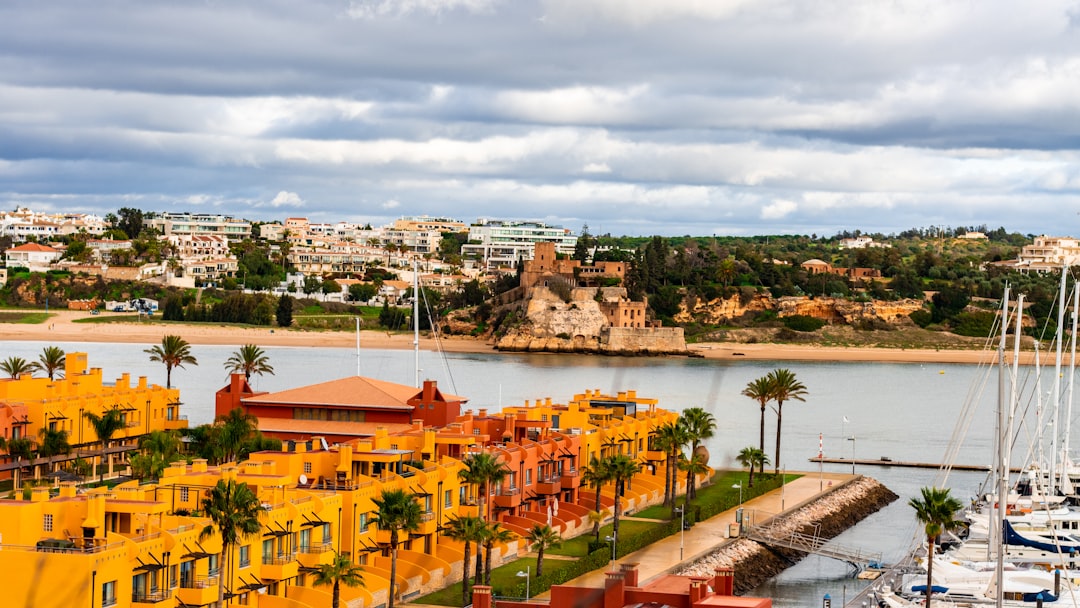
{"type": "Point", "coordinates": [62, 328]}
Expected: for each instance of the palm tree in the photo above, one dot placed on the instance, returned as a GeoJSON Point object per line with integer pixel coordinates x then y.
{"type": "Point", "coordinates": [671, 438]}
{"type": "Point", "coordinates": [51, 361]}
{"type": "Point", "coordinates": [694, 466]}
{"type": "Point", "coordinates": [784, 387]}
{"type": "Point", "coordinates": [15, 367]}
{"type": "Point", "coordinates": [751, 457]}
{"type": "Point", "coordinates": [173, 351]}
{"type": "Point", "coordinates": [760, 390]}
{"type": "Point", "coordinates": [105, 426]}
{"type": "Point", "coordinates": [935, 510]}
{"type": "Point", "coordinates": [237, 427]}
{"type": "Point", "coordinates": [250, 359]}
{"type": "Point", "coordinates": [596, 474]}
{"type": "Point", "coordinates": [398, 512]}
{"type": "Point", "coordinates": [233, 510]}
{"type": "Point", "coordinates": [540, 539]}
{"type": "Point", "coordinates": [700, 425]}
{"type": "Point", "coordinates": [53, 442]}
{"type": "Point", "coordinates": [466, 529]}
{"type": "Point", "coordinates": [495, 534]}
{"type": "Point", "coordinates": [159, 450]}
{"type": "Point", "coordinates": [622, 468]}
{"type": "Point", "coordinates": [340, 570]}
{"type": "Point", "coordinates": [484, 470]}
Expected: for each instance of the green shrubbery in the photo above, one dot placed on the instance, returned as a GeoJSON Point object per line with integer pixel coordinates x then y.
{"type": "Point", "coordinates": [802, 323]}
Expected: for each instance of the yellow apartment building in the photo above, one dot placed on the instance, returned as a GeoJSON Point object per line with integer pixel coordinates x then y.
{"type": "Point", "coordinates": [28, 404]}
{"type": "Point", "coordinates": [143, 545]}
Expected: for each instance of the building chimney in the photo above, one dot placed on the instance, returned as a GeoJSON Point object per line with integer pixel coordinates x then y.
{"type": "Point", "coordinates": [724, 581]}
{"type": "Point", "coordinates": [630, 574]}
{"type": "Point", "coordinates": [699, 588]}
{"type": "Point", "coordinates": [614, 590]}
{"type": "Point", "coordinates": [482, 412]}
{"type": "Point", "coordinates": [198, 465]}
{"type": "Point", "coordinates": [481, 596]}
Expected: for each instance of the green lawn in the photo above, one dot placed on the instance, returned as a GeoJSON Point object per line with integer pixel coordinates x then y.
{"type": "Point", "coordinates": [718, 489]}
{"type": "Point", "coordinates": [20, 316]}
{"type": "Point", "coordinates": [502, 578]}
{"type": "Point", "coordinates": [579, 545]}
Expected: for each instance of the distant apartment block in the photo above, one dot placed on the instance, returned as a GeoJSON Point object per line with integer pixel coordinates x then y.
{"type": "Point", "coordinates": [426, 223]}
{"type": "Point", "coordinates": [170, 224]}
{"type": "Point", "coordinates": [502, 244]}
{"type": "Point", "coordinates": [1046, 254]}
{"type": "Point", "coordinates": [24, 223]}
{"type": "Point", "coordinates": [861, 242]}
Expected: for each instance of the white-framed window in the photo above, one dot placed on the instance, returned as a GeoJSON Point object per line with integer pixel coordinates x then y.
{"type": "Point", "coordinates": [47, 522]}
{"type": "Point", "coordinates": [307, 467]}
{"type": "Point", "coordinates": [184, 494]}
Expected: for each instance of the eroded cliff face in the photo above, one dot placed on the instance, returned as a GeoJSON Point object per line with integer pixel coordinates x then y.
{"type": "Point", "coordinates": [722, 311]}
{"type": "Point", "coordinates": [578, 326]}
{"type": "Point", "coordinates": [550, 316]}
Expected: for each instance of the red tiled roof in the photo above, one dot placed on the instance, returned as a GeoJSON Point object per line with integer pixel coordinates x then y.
{"type": "Point", "coordinates": [355, 391]}
{"type": "Point", "coordinates": [34, 247]}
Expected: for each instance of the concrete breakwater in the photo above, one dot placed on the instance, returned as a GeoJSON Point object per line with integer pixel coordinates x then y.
{"type": "Point", "coordinates": [827, 517]}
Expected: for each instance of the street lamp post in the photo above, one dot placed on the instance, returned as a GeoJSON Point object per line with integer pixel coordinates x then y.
{"type": "Point", "coordinates": [611, 539]}
{"type": "Point", "coordinates": [852, 440]}
{"type": "Point", "coordinates": [526, 573]}
{"type": "Point", "coordinates": [739, 485]}
{"type": "Point", "coordinates": [682, 529]}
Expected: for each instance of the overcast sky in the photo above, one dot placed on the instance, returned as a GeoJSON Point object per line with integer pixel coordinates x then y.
{"type": "Point", "coordinates": [701, 117]}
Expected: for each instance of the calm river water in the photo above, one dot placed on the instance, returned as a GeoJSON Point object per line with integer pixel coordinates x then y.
{"type": "Point", "coordinates": [901, 411]}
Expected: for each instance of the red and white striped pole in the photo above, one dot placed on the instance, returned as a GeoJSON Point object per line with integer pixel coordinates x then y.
{"type": "Point", "coordinates": [820, 460]}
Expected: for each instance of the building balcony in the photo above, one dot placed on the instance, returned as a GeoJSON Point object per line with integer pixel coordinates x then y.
{"type": "Point", "coordinates": [154, 597]}
{"type": "Point", "coordinates": [571, 480]}
{"type": "Point", "coordinates": [280, 567]}
{"type": "Point", "coordinates": [198, 590]}
{"type": "Point", "coordinates": [315, 555]}
{"type": "Point", "coordinates": [552, 485]}
{"type": "Point", "coordinates": [507, 498]}
{"type": "Point", "coordinates": [428, 524]}
{"type": "Point", "coordinates": [175, 423]}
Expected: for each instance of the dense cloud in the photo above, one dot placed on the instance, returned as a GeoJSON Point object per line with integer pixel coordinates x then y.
{"type": "Point", "coordinates": [651, 116]}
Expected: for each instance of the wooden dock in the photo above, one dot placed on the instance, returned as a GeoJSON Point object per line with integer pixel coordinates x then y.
{"type": "Point", "coordinates": [888, 462]}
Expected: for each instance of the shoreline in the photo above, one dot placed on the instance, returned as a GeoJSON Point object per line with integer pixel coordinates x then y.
{"type": "Point", "coordinates": [62, 328]}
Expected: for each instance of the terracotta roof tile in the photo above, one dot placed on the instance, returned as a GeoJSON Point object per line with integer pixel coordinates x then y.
{"type": "Point", "coordinates": [355, 391]}
{"type": "Point", "coordinates": [327, 427]}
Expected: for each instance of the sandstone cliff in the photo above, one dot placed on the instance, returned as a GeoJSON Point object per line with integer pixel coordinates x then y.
{"type": "Point", "coordinates": [723, 311]}
{"type": "Point", "coordinates": [578, 325]}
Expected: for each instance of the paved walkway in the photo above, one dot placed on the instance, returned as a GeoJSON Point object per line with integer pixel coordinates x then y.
{"type": "Point", "coordinates": [669, 553]}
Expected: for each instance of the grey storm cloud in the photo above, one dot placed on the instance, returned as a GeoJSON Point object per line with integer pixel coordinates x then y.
{"type": "Point", "coordinates": [642, 117]}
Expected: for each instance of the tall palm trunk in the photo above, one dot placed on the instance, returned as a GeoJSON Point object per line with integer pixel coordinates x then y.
{"type": "Point", "coordinates": [479, 577]}
{"type": "Point", "coordinates": [540, 560]}
{"type": "Point", "coordinates": [618, 505]}
{"type": "Point", "coordinates": [930, 569]}
{"type": "Point", "coordinates": [596, 524]}
{"type": "Point", "coordinates": [691, 482]}
{"type": "Point", "coordinates": [336, 602]}
{"type": "Point", "coordinates": [393, 565]}
{"type": "Point", "coordinates": [668, 498]}
{"type": "Point", "coordinates": [761, 465]}
{"type": "Point", "coordinates": [488, 546]}
{"type": "Point", "coordinates": [466, 589]}
{"type": "Point", "coordinates": [779, 419]}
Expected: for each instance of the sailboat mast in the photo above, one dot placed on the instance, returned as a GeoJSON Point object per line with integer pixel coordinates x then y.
{"type": "Point", "coordinates": [357, 346]}
{"type": "Point", "coordinates": [1057, 386]}
{"type": "Point", "coordinates": [1014, 398]}
{"type": "Point", "coordinates": [416, 321]}
{"type": "Point", "coordinates": [1066, 462]}
{"type": "Point", "coordinates": [997, 519]}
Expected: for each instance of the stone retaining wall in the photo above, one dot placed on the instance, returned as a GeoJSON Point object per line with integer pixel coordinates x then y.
{"type": "Point", "coordinates": [827, 516]}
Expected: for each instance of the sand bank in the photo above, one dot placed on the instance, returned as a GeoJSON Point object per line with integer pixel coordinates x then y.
{"type": "Point", "coordinates": [62, 328]}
